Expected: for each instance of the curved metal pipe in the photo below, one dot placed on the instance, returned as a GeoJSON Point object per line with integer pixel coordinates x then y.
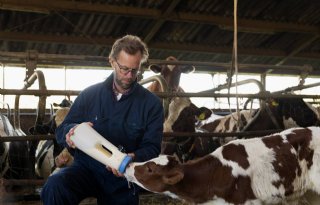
{"type": "Point", "coordinates": [299, 87]}
{"type": "Point", "coordinates": [41, 104]}
{"type": "Point", "coordinates": [8, 109]}
{"type": "Point", "coordinates": [243, 82]}
{"type": "Point", "coordinates": [159, 79]}
{"type": "Point", "coordinates": [164, 88]}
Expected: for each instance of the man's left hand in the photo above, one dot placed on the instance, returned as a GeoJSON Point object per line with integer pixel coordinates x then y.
{"type": "Point", "coordinates": [115, 171]}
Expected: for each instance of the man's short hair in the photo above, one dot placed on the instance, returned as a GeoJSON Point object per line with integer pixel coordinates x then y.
{"type": "Point", "coordinates": [131, 45]}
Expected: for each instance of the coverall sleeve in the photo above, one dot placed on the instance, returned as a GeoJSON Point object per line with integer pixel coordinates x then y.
{"type": "Point", "coordinates": [150, 145]}
{"type": "Point", "coordinates": [73, 118]}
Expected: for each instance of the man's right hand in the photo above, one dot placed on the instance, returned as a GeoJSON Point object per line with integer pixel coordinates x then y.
{"type": "Point", "coordinates": [70, 133]}
{"type": "Point", "coordinates": [68, 137]}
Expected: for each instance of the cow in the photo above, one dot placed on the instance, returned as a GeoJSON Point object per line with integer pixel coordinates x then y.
{"type": "Point", "coordinates": [6, 129]}
{"type": "Point", "coordinates": [171, 74]}
{"type": "Point", "coordinates": [275, 169]}
{"type": "Point", "coordinates": [278, 113]}
{"type": "Point", "coordinates": [14, 161]}
{"type": "Point", "coordinates": [183, 115]}
{"type": "Point", "coordinates": [49, 154]}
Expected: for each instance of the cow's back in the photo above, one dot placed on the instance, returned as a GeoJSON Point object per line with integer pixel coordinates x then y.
{"type": "Point", "coordinates": [280, 166]}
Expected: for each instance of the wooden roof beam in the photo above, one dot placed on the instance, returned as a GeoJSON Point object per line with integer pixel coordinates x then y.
{"type": "Point", "coordinates": [161, 21]}
{"type": "Point", "coordinates": [298, 49]}
{"type": "Point", "coordinates": [221, 21]}
{"type": "Point", "coordinates": [107, 42]}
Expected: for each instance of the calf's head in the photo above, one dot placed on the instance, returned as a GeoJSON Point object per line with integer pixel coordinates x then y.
{"type": "Point", "coordinates": [183, 115]}
{"type": "Point", "coordinates": [294, 112]}
{"type": "Point", "coordinates": [155, 175]}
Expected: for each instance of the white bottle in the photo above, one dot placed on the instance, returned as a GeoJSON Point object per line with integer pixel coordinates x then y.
{"type": "Point", "coordinates": [93, 144]}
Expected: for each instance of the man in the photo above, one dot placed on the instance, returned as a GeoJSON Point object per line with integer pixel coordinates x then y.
{"type": "Point", "coordinates": [123, 112]}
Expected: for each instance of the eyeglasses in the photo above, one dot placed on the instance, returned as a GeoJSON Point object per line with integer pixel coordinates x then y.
{"type": "Point", "coordinates": [125, 70]}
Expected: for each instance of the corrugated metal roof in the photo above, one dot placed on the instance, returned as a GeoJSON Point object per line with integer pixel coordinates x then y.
{"type": "Point", "coordinates": [268, 31]}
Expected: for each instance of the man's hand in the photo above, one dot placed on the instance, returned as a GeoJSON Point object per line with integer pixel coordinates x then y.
{"type": "Point", "coordinates": [70, 133]}
{"type": "Point", "coordinates": [115, 171]}
{"type": "Point", "coordinates": [63, 159]}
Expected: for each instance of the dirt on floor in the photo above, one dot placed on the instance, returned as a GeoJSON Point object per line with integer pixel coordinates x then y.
{"type": "Point", "coordinates": [34, 199]}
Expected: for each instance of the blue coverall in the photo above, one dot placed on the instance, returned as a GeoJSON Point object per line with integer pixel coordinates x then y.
{"type": "Point", "coordinates": [135, 122]}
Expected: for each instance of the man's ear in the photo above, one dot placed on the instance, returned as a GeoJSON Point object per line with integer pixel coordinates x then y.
{"type": "Point", "coordinates": [173, 178]}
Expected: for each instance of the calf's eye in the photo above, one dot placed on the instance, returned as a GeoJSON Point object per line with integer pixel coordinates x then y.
{"type": "Point", "coordinates": [149, 170]}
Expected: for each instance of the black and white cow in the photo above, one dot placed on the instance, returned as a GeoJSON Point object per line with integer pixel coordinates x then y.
{"type": "Point", "coordinates": [277, 114]}
{"type": "Point", "coordinates": [6, 129]}
{"type": "Point", "coordinates": [49, 154]}
{"type": "Point", "coordinates": [183, 115]}
{"type": "Point", "coordinates": [14, 161]}
{"type": "Point", "coordinates": [276, 169]}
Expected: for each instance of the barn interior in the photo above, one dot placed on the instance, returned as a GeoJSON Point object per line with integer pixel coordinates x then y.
{"type": "Point", "coordinates": [268, 37]}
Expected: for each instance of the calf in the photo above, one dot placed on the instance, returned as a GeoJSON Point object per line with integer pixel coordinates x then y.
{"type": "Point", "coordinates": [50, 155]}
{"type": "Point", "coordinates": [278, 168]}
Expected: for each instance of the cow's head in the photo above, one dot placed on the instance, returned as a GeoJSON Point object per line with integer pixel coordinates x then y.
{"type": "Point", "coordinates": [63, 103]}
{"type": "Point", "coordinates": [183, 115]}
{"type": "Point", "coordinates": [50, 126]}
{"type": "Point", "coordinates": [155, 175]}
{"type": "Point", "coordinates": [172, 73]}
{"type": "Point", "coordinates": [294, 112]}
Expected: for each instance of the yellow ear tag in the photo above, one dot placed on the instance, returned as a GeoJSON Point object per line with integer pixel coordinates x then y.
{"type": "Point", "coordinates": [274, 103]}
{"type": "Point", "coordinates": [201, 116]}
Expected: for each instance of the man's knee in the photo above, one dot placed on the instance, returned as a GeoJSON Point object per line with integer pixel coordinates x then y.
{"type": "Point", "coordinates": [53, 189]}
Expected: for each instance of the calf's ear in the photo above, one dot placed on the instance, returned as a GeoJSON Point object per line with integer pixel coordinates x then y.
{"type": "Point", "coordinates": [173, 177]}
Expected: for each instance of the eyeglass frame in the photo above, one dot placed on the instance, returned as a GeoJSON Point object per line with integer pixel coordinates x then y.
{"type": "Point", "coordinates": [125, 70]}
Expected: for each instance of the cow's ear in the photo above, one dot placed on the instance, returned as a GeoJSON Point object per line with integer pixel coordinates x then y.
{"type": "Point", "coordinates": [187, 69]}
{"type": "Point", "coordinates": [173, 177]}
{"type": "Point", "coordinates": [203, 113]}
{"type": "Point", "coordinates": [155, 68]}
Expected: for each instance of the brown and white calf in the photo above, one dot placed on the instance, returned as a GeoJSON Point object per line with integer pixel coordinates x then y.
{"type": "Point", "coordinates": [274, 169]}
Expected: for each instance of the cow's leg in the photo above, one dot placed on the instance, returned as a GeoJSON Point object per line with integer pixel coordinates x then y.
{"type": "Point", "coordinates": [314, 172]}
